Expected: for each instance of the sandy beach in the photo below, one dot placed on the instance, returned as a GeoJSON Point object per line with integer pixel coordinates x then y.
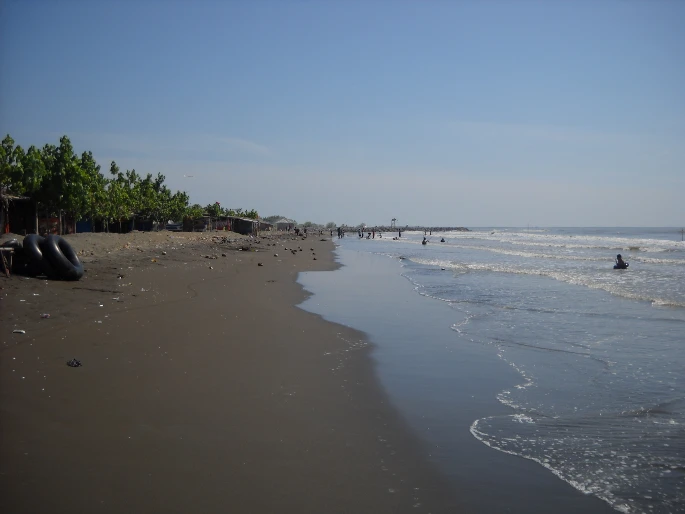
{"type": "Point", "coordinates": [203, 388]}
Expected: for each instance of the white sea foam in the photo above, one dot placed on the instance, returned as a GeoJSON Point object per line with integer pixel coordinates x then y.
{"type": "Point", "coordinates": [607, 283]}
{"type": "Point", "coordinates": [572, 241]}
{"type": "Point", "coordinates": [598, 399]}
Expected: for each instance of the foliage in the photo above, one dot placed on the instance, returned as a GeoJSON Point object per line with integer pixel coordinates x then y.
{"type": "Point", "coordinates": [195, 211]}
{"type": "Point", "coordinates": [60, 181]}
{"type": "Point", "coordinates": [10, 166]}
{"type": "Point", "coordinates": [214, 209]}
{"type": "Point", "coordinates": [331, 224]}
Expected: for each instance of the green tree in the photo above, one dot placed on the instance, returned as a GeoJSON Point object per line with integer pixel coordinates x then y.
{"type": "Point", "coordinates": [132, 185]}
{"type": "Point", "coordinates": [213, 209]}
{"type": "Point", "coordinates": [195, 211]}
{"type": "Point", "coordinates": [177, 206]}
{"type": "Point", "coordinates": [11, 158]}
{"type": "Point", "coordinates": [33, 171]}
{"type": "Point", "coordinates": [119, 205]}
{"type": "Point", "coordinates": [65, 184]}
{"type": "Point", "coordinates": [331, 224]}
{"type": "Point", "coordinates": [251, 214]}
{"type": "Point", "coordinates": [95, 201]}
{"type": "Point", "coordinates": [62, 183]}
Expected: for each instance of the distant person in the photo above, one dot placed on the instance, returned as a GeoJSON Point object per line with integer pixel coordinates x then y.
{"type": "Point", "coordinates": [425, 241]}
{"type": "Point", "coordinates": [620, 263]}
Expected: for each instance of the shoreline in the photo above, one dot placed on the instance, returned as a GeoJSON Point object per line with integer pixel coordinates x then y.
{"type": "Point", "coordinates": [204, 387]}
{"type": "Point", "coordinates": [438, 388]}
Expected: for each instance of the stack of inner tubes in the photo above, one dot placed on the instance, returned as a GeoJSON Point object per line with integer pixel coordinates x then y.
{"type": "Point", "coordinates": [51, 256]}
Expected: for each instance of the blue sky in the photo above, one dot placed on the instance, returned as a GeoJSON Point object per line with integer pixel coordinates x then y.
{"type": "Point", "coordinates": [492, 113]}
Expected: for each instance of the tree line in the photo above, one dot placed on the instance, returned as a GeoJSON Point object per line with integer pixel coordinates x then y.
{"type": "Point", "coordinates": [62, 182]}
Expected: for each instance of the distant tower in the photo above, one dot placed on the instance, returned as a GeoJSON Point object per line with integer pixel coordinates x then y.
{"type": "Point", "coordinates": [392, 223]}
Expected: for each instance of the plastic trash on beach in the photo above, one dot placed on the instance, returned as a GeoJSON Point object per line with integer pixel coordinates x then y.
{"type": "Point", "coordinates": [45, 315]}
{"type": "Point", "coordinates": [17, 331]}
{"type": "Point", "coordinates": [74, 363]}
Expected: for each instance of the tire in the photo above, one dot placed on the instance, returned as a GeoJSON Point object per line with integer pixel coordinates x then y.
{"type": "Point", "coordinates": [12, 243]}
{"type": "Point", "coordinates": [62, 257]}
{"type": "Point", "coordinates": [36, 264]}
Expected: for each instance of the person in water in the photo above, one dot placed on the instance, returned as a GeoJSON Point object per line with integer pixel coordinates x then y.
{"type": "Point", "coordinates": [620, 263]}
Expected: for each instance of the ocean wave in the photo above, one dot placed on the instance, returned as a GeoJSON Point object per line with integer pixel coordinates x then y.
{"type": "Point", "coordinates": [575, 241]}
{"type": "Point", "coordinates": [581, 485]}
{"type": "Point", "coordinates": [535, 255]}
{"type": "Point", "coordinates": [610, 472]}
{"type": "Point", "coordinates": [586, 280]}
{"type": "Point", "coordinates": [652, 260]}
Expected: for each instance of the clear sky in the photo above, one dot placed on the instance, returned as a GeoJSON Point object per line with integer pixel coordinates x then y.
{"type": "Point", "coordinates": [489, 113]}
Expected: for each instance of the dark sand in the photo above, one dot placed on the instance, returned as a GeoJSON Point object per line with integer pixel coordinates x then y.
{"type": "Point", "coordinates": [202, 390]}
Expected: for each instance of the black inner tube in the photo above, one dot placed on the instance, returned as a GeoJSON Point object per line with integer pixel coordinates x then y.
{"type": "Point", "coordinates": [36, 264]}
{"type": "Point", "coordinates": [62, 257]}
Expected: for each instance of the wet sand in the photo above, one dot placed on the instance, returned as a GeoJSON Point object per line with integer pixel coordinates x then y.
{"type": "Point", "coordinates": [203, 388]}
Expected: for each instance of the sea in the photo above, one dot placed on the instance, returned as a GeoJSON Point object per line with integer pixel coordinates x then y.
{"type": "Point", "coordinates": [528, 344]}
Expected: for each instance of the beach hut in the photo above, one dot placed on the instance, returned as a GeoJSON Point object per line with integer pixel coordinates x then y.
{"type": "Point", "coordinates": [244, 226]}
{"type": "Point", "coordinates": [284, 224]}
{"type": "Point", "coordinates": [17, 214]}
